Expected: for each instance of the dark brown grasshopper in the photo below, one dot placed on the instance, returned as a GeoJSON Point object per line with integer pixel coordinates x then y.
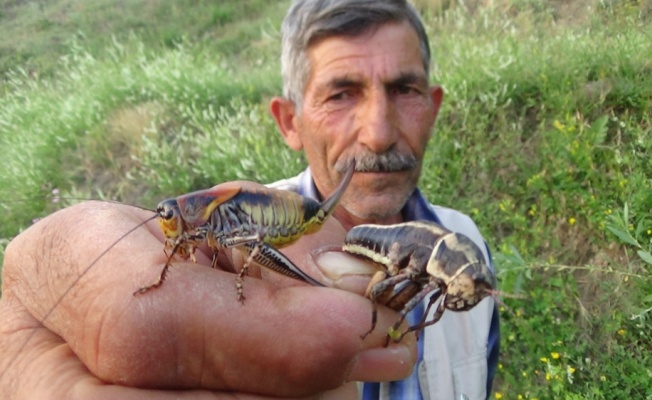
{"type": "Point", "coordinates": [416, 259]}
{"type": "Point", "coordinates": [247, 216]}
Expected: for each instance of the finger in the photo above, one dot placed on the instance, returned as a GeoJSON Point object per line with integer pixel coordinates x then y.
{"type": "Point", "coordinates": [49, 369]}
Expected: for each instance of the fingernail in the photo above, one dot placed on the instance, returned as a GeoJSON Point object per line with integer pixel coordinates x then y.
{"type": "Point", "coordinates": [345, 271]}
{"type": "Point", "coordinates": [336, 264]}
{"type": "Point", "coordinates": [384, 364]}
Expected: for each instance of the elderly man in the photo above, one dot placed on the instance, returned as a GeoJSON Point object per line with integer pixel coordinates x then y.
{"type": "Point", "coordinates": [355, 87]}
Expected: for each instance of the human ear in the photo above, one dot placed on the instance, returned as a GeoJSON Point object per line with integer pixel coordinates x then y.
{"type": "Point", "coordinates": [437, 96]}
{"type": "Point", "coordinates": [284, 112]}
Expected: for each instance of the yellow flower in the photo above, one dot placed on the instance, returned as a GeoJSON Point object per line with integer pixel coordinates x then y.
{"type": "Point", "coordinates": [570, 370]}
{"type": "Point", "coordinates": [548, 376]}
{"type": "Point", "coordinates": [554, 355]}
{"type": "Point", "coordinates": [498, 395]}
{"type": "Point", "coordinates": [524, 374]}
{"type": "Point", "coordinates": [571, 221]}
{"type": "Point", "coordinates": [544, 359]}
{"type": "Point", "coordinates": [622, 332]}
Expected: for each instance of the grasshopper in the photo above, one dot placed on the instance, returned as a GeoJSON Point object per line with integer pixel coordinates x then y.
{"type": "Point", "coordinates": [416, 259]}
{"type": "Point", "coordinates": [240, 214]}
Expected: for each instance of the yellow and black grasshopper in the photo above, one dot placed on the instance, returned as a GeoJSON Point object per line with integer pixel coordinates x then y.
{"type": "Point", "coordinates": [416, 259]}
{"type": "Point", "coordinates": [244, 215]}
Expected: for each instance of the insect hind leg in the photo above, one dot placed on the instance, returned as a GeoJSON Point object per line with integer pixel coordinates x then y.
{"type": "Point", "coordinates": [423, 324]}
{"type": "Point", "coordinates": [393, 333]}
{"type": "Point", "coordinates": [256, 242]}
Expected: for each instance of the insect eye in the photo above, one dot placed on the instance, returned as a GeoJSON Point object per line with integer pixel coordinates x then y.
{"type": "Point", "coordinates": [167, 209]}
{"type": "Point", "coordinates": [169, 213]}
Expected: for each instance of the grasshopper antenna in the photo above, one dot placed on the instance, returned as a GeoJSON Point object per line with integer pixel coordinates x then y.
{"type": "Point", "coordinates": [120, 202]}
{"type": "Point", "coordinates": [56, 199]}
{"type": "Point", "coordinates": [67, 291]}
{"type": "Point", "coordinates": [497, 294]}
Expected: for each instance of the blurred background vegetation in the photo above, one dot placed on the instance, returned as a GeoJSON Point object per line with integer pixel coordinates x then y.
{"type": "Point", "coordinates": [544, 139]}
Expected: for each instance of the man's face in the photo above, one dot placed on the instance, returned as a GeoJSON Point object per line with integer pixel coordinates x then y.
{"type": "Point", "coordinates": [367, 96]}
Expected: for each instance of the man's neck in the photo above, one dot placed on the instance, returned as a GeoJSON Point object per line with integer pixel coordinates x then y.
{"type": "Point", "coordinates": [349, 220]}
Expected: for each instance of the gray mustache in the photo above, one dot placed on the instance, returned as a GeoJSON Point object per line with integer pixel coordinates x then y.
{"type": "Point", "coordinates": [386, 162]}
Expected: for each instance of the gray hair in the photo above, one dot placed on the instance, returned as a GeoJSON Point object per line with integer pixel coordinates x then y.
{"type": "Point", "coordinates": [310, 20]}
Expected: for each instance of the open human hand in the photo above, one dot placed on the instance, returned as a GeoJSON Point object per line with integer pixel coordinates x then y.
{"type": "Point", "coordinates": [190, 337]}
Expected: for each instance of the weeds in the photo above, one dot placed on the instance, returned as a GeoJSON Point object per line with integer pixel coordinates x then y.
{"type": "Point", "coordinates": [544, 139]}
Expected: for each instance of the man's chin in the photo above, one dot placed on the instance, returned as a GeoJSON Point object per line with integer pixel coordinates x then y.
{"type": "Point", "coordinates": [375, 209]}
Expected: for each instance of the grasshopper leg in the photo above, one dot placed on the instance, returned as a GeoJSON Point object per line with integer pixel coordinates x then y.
{"type": "Point", "coordinates": [245, 268]}
{"type": "Point", "coordinates": [436, 317]}
{"type": "Point", "coordinates": [158, 282]}
{"type": "Point", "coordinates": [185, 246]}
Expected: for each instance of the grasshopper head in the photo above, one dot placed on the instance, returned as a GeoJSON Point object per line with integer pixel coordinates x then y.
{"type": "Point", "coordinates": [169, 218]}
{"type": "Point", "coordinates": [458, 263]}
{"type": "Point", "coordinates": [469, 287]}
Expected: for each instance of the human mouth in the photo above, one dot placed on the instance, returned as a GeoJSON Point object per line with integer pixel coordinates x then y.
{"type": "Point", "coordinates": [380, 163]}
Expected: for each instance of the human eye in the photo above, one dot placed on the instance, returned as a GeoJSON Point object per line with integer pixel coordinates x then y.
{"type": "Point", "coordinates": [405, 90]}
{"type": "Point", "coordinates": [341, 95]}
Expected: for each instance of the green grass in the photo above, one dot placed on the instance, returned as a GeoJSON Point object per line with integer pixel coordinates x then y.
{"type": "Point", "coordinates": [544, 138]}
{"type": "Point", "coordinates": [34, 34]}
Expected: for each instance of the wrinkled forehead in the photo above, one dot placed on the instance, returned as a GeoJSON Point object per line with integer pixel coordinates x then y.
{"type": "Point", "coordinates": [350, 31]}
{"type": "Point", "coordinates": [390, 52]}
{"type": "Point", "coordinates": [364, 34]}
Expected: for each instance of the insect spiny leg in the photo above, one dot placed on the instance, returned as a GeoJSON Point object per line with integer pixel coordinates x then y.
{"type": "Point", "coordinates": [164, 272]}
{"type": "Point", "coordinates": [409, 306]}
{"type": "Point", "coordinates": [435, 318]}
{"type": "Point", "coordinates": [159, 281]}
{"type": "Point", "coordinates": [255, 250]}
{"type": "Point", "coordinates": [374, 320]}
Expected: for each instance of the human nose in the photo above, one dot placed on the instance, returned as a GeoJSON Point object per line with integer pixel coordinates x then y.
{"type": "Point", "coordinates": [377, 129]}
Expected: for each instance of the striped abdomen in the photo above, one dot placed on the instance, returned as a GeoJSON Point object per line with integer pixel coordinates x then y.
{"type": "Point", "coordinates": [279, 217]}
{"type": "Point", "coordinates": [393, 245]}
